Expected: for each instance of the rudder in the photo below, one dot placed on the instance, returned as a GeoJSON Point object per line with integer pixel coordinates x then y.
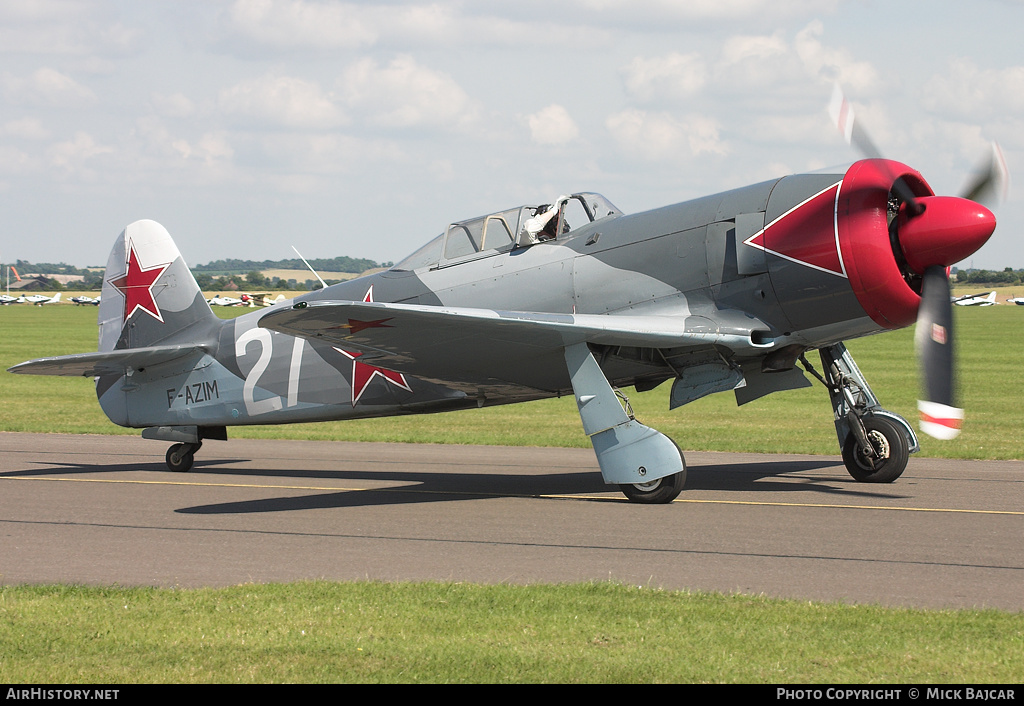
{"type": "Point", "coordinates": [149, 295]}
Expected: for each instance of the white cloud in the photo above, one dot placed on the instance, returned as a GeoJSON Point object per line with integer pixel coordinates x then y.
{"type": "Point", "coordinates": [14, 161]}
{"type": "Point", "coordinates": [63, 27]}
{"type": "Point", "coordinates": [214, 147]}
{"type": "Point", "coordinates": [404, 94]}
{"type": "Point", "coordinates": [970, 92]}
{"type": "Point", "coordinates": [176, 105]}
{"type": "Point", "coordinates": [47, 87]}
{"type": "Point", "coordinates": [552, 126]}
{"type": "Point", "coordinates": [304, 24]}
{"type": "Point", "coordinates": [757, 72]}
{"type": "Point", "coordinates": [285, 23]}
{"type": "Point", "coordinates": [38, 10]}
{"type": "Point", "coordinates": [206, 159]}
{"type": "Point", "coordinates": [662, 137]}
{"type": "Point", "coordinates": [658, 12]}
{"type": "Point", "coordinates": [26, 129]}
{"type": "Point", "coordinates": [674, 75]}
{"type": "Point", "coordinates": [858, 77]}
{"type": "Point", "coordinates": [72, 157]}
{"type": "Point", "coordinates": [741, 48]}
{"type": "Point", "coordinates": [963, 146]}
{"type": "Point", "coordinates": [282, 101]}
{"type": "Point", "coordinates": [320, 154]}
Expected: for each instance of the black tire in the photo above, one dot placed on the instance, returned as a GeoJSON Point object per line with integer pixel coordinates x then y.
{"type": "Point", "coordinates": [659, 491]}
{"type": "Point", "coordinates": [180, 457]}
{"type": "Point", "coordinates": [890, 443]}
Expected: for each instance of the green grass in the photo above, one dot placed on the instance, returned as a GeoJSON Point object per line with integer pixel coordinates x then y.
{"type": "Point", "coordinates": [595, 633]}
{"type": "Point", "coordinates": [991, 363]}
{"type": "Point", "coordinates": [314, 632]}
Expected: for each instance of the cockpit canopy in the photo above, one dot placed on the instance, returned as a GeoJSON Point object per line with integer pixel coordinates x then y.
{"type": "Point", "coordinates": [501, 231]}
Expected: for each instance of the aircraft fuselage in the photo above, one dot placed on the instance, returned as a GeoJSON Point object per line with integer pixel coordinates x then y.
{"type": "Point", "coordinates": [708, 261]}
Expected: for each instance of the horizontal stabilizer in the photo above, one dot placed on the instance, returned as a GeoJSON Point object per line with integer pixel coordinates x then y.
{"type": "Point", "coordinates": [93, 364]}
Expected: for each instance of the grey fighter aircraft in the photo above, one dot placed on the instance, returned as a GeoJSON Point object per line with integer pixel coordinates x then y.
{"type": "Point", "coordinates": [726, 292]}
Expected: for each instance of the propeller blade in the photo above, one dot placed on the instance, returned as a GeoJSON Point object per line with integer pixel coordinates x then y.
{"type": "Point", "coordinates": [934, 232]}
{"type": "Point", "coordinates": [940, 418]}
{"type": "Point", "coordinates": [842, 113]}
{"type": "Point", "coordinates": [845, 119]}
{"type": "Point", "coordinates": [991, 179]}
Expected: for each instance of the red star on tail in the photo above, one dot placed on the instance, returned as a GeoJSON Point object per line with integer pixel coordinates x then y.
{"type": "Point", "coordinates": [136, 285]}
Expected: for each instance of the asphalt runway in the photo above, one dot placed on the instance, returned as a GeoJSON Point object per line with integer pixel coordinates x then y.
{"type": "Point", "coordinates": [104, 510]}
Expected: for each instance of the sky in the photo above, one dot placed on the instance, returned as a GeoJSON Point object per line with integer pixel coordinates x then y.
{"type": "Point", "coordinates": [249, 127]}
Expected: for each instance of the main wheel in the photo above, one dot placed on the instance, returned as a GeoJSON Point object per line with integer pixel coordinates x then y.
{"type": "Point", "coordinates": [891, 447]}
{"type": "Point", "coordinates": [180, 457]}
{"type": "Point", "coordinates": [660, 490]}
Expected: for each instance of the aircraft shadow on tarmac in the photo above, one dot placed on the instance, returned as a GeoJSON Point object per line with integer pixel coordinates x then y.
{"type": "Point", "coordinates": [783, 476]}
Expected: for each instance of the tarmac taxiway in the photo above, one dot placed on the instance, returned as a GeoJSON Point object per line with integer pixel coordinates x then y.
{"type": "Point", "coordinates": [105, 510]}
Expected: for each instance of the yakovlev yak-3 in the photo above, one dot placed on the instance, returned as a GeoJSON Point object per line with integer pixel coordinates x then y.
{"type": "Point", "coordinates": [725, 292]}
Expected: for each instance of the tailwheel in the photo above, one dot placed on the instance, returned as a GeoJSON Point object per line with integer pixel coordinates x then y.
{"type": "Point", "coordinates": [181, 456]}
{"type": "Point", "coordinates": [658, 491]}
{"type": "Point", "coordinates": [889, 457]}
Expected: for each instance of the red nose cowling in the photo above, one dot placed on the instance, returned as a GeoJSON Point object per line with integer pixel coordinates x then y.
{"type": "Point", "coordinates": [947, 231]}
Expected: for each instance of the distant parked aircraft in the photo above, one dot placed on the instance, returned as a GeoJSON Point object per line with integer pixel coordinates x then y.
{"type": "Point", "coordinates": [976, 299]}
{"type": "Point", "coordinates": [224, 301]}
{"type": "Point", "coordinates": [40, 299]}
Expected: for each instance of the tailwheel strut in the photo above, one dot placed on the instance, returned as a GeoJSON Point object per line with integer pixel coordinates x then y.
{"type": "Point", "coordinates": [181, 456]}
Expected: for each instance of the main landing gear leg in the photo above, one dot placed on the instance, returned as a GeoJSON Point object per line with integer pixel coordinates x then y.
{"type": "Point", "coordinates": [646, 465]}
{"type": "Point", "coordinates": [876, 443]}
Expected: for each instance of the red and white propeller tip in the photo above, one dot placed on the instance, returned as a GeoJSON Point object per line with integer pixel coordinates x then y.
{"type": "Point", "coordinates": [940, 421]}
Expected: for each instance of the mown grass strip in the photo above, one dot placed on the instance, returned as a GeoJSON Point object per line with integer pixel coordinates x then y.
{"type": "Point", "coordinates": [315, 632]}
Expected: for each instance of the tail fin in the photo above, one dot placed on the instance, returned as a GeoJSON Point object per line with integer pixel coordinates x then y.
{"type": "Point", "coordinates": [56, 298]}
{"type": "Point", "coordinates": [149, 295]}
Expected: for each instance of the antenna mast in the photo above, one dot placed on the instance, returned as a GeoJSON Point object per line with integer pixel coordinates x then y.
{"type": "Point", "coordinates": [324, 284]}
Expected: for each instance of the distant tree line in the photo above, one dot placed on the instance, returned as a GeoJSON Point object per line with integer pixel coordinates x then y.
{"type": "Point", "coordinates": [336, 264]}
{"type": "Point", "coordinates": [25, 267]}
{"type": "Point", "coordinates": [253, 281]}
{"type": "Point", "coordinates": [1008, 276]}
{"type": "Point", "coordinates": [245, 274]}
{"type": "Point", "coordinates": [91, 279]}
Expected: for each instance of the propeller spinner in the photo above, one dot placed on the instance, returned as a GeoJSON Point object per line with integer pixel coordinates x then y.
{"type": "Point", "coordinates": [933, 233]}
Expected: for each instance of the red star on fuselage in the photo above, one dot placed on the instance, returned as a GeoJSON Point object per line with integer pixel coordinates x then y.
{"type": "Point", "coordinates": [363, 373]}
{"type": "Point", "coordinates": [355, 325]}
{"type": "Point", "coordinates": [136, 285]}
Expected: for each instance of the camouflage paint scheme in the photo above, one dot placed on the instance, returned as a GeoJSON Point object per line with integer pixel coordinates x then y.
{"type": "Point", "coordinates": [725, 292]}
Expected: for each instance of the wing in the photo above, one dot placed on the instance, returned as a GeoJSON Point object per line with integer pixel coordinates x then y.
{"type": "Point", "coordinates": [478, 345]}
{"type": "Point", "coordinates": [93, 364]}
